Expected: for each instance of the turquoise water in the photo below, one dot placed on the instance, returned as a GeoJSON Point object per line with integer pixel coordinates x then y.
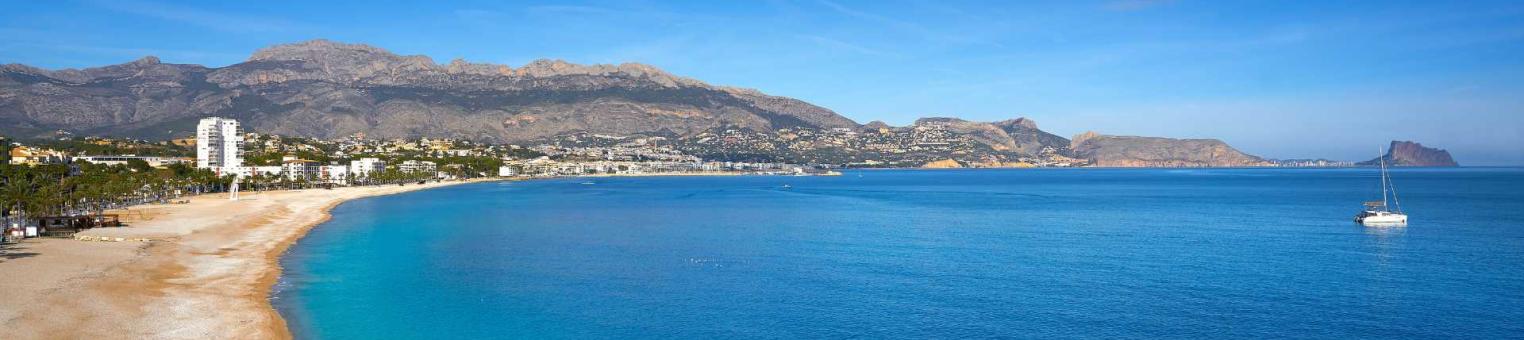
{"type": "Point", "coordinates": [1062, 253]}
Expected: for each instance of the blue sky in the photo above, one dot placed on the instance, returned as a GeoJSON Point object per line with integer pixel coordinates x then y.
{"type": "Point", "coordinates": [1278, 79]}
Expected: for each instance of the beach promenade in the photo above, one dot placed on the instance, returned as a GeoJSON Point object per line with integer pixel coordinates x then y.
{"type": "Point", "coordinates": [200, 270]}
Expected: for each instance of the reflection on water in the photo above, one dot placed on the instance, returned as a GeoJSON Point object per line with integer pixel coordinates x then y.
{"type": "Point", "coordinates": [1386, 239]}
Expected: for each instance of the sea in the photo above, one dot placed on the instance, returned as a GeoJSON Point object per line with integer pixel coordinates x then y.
{"type": "Point", "coordinates": [918, 254]}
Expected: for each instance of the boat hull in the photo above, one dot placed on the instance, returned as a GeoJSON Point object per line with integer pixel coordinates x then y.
{"type": "Point", "coordinates": [1387, 219]}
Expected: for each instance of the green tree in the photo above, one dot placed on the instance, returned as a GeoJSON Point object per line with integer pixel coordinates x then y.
{"type": "Point", "coordinates": [139, 165]}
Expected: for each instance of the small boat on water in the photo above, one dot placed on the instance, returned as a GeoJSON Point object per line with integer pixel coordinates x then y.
{"type": "Point", "coordinates": [1380, 213]}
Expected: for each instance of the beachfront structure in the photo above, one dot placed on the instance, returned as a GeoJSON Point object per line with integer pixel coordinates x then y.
{"type": "Point", "coordinates": [266, 170]}
{"type": "Point", "coordinates": [365, 166]}
{"type": "Point", "coordinates": [336, 174]}
{"type": "Point", "coordinates": [218, 143]}
{"type": "Point", "coordinates": [300, 168]}
{"type": "Point", "coordinates": [417, 166]}
{"type": "Point", "coordinates": [506, 171]}
{"type": "Point", "coordinates": [156, 162]}
{"type": "Point", "coordinates": [246, 171]}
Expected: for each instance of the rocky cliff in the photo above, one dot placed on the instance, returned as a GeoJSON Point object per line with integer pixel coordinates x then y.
{"type": "Point", "coordinates": [942, 164]}
{"type": "Point", "coordinates": [327, 89]}
{"type": "Point", "coordinates": [1133, 151]}
{"type": "Point", "coordinates": [1406, 153]}
{"type": "Point", "coordinates": [1017, 136]}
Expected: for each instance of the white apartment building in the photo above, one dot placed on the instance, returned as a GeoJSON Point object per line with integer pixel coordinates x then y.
{"type": "Point", "coordinates": [365, 166]}
{"type": "Point", "coordinates": [296, 168]}
{"type": "Point", "coordinates": [417, 166]}
{"type": "Point", "coordinates": [336, 174]}
{"type": "Point", "coordinates": [218, 143]}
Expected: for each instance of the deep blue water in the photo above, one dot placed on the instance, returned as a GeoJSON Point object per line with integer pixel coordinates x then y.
{"type": "Point", "coordinates": [1061, 253]}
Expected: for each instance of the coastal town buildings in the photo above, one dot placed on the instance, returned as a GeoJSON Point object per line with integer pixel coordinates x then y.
{"type": "Point", "coordinates": [23, 155]}
{"type": "Point", "coordinates": [413, 166]}
{"type": "Point", "coordinates": [295, 168]}
{"type": "Point", "coordinates": [157, 162]}
{"type": "Point", "coordinates": [366, 166]}
{"type": "Point", "coordinates": [334, 173]}
{"type": "Point", "coordinates": [218, 143]}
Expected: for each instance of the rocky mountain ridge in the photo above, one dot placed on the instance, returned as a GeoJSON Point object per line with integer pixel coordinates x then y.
{"type": "Point", "coordinates": [327, 89]}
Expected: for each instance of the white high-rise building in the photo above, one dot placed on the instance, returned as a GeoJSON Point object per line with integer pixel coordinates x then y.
{"type": "Point", "coordinates": [364, 167]}
{"type": "Point", "coordinates": [218, 143]}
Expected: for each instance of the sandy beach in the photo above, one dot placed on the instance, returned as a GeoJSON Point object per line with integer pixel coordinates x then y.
{"type": "Point", "coordinates": [185, 271]}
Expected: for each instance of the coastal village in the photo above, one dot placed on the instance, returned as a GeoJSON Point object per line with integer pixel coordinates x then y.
{"type": "Point", "coordinates": [223, 157]}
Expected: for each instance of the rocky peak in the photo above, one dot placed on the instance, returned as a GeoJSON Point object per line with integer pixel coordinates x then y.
{"type": "Point", "coordinates": [876, 125]}
{"type": "Point", "coordinates": [23, 69]}
{"type": "Point", "coordinates": [938, 120]}
{"type": "Point", "coordinates": [320, 50]}
{"type": "Point", "coordinates": [1020, 121]}
{"type": "Point", "coordinates": [544, 68]}
{"type": "Point", "coordinates": [145, 61]}
{"type": "Point", "coordinates": [149, 65]}
{"type": "Point", "coordinates": [548, 67]}
{"type": "Point", "coordinates": [641, 69]}
{"type": "Point", "coordinates": [1081, 138]}
{"type": "Point", "coordinates": [1408, 153]}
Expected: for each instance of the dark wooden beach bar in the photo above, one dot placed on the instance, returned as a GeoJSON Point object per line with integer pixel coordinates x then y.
{"type": "Point", "coordinates": [67, 226]}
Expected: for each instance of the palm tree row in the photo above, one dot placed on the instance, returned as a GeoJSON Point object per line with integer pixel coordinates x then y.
{"type": "Point", "coordinates": [32, 191]}
{"type": "Point", "coordinates": [62, 190]}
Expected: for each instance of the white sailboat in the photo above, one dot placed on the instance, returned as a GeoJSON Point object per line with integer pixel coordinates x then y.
{"type": "Point", "coordinates": [1380, 213]}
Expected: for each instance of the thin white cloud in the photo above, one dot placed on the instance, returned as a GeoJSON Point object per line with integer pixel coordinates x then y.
{"type": "Point", "coordinates": [562, 9]}
{"type": "Point", "coordinates": [622, 13]}
{"type": "Point", "coordinates": [838, 45]}
{"type": "Point", "coordinates": [906, 26]}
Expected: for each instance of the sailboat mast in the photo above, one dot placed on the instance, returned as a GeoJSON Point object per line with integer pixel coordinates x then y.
{"type": "Point", "coordinates": [1382, 159]}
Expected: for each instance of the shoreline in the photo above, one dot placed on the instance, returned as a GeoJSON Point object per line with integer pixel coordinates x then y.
{"type": "Point", "coordinates": [167, 274]}
{"type": "Point", "coordinates": [198, 270]}
{"type": "Point", "coordinates": [271, 276]}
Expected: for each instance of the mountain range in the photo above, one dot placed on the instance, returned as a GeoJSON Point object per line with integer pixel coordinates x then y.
{"type": "Point", "coordinates": [327, 89]}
